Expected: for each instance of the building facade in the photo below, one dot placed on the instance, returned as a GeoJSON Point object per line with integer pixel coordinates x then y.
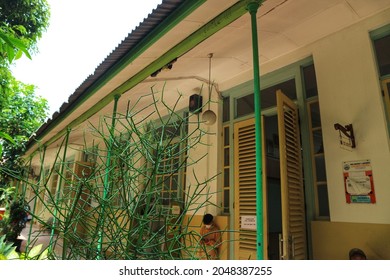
{"type": "Point", "coordinates": [313, 124]}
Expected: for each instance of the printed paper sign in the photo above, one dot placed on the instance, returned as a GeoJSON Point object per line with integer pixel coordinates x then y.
{"type": "Point", "coordinates": [358, 181]}
{"type": "Point", "coordinates": [248, 222]}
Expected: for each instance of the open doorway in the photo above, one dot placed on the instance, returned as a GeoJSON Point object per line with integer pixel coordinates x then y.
{"type": "Point", "coordinates": [274, 204]}
{"type": "Point", "coordinates": [284, 217]}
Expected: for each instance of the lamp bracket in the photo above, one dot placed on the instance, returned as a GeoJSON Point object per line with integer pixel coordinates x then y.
{"type": "Point", "coordinates": [347, 130]}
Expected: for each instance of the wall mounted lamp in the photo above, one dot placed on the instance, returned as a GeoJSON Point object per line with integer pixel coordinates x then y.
{"type": "Point", "coordinates": [346, 136]}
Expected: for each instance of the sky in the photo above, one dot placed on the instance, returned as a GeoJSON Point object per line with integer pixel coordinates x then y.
{"type": "Point", "coordinates": [81, 34]}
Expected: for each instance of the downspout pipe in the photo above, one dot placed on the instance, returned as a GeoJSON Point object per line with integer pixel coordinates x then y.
{"type": "Point", "coordinates": [106, 186]}
{"type": "Point", "coordinates": [252, 8]}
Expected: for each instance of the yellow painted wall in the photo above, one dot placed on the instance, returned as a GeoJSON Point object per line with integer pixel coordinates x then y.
{"type": "Point", "coordinates": [349, 93]}
{"type": "Point", "coordinates": [333, 240]}
{"type": "Point", "coordinates": [202, 163]}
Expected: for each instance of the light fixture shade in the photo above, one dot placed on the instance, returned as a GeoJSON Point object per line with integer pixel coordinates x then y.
{"type": "Point", "coordinates": [209, 117]}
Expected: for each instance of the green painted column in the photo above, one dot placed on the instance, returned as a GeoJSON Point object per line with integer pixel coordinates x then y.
{"type": "Point", "coordinates": [36, 193]}
{"type": "Point", "coordinates": [24, 184]}
{"type": "Point", "coordinates": [106, 184]}
{"type": "Point", "coordinates": [252, 8]}
{"type": "Point", "coordinates": [58, 190]}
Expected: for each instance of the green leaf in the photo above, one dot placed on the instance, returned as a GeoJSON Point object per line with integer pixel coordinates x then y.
{"type": "Point", "coordinates": [18, 55]}
{"type": "Point", "coordinates": [43, 255]}
{"type": "Point", "coordinates": [2, 238]}
{"type": "Point", "coordinates": [5, 38]}
{"type": "Point", "coordinates": [11, 44]}
{"type": "Point", "coordinates": [21, 28]}
{"type": "Point", "coordinates": [34, 251]}
{"type": "Point", "coordinates": [8, 248]}
{"type": "Point", "coordinates": [10, 53]}
{"type": "Point", "coordinates": [13, 255]}
{"type": "Point", "coordinates": [17, 43]}
{"type": "Point", "coordinates": [6, 136]}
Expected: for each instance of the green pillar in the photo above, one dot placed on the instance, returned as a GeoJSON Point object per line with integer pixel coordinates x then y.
{"type": "Point", "coordinates": [36, 193]}
{"type": "Point", "coordinates": [58, 190]}
{"type": "Point", "coordinates": [252, 8]}
{"type": "Point", "coordinates": [106, 184]}
{"type": "Point", "coordinates": [24, 182]}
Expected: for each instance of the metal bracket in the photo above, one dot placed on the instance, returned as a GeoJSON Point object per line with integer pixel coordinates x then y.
{"type": "Point", "coordinates": [347, 130]}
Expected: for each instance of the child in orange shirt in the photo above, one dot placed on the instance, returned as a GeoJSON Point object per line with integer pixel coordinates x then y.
{"type": "Point", "coordinates": [210, 237]}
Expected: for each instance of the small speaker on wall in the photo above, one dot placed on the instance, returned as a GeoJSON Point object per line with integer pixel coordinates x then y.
{"type": "Point", "coordinates": [195, 104]}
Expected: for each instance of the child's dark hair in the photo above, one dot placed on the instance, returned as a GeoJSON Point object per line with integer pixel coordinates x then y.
{"type": "Point", "coordinates": [356, 252]}
{"type": "Point", "coordinates": [207, 219]}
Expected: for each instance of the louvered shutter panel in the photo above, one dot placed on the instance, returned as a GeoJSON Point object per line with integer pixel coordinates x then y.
{"type": "Point", "coordinates": [245, 182]}
{"type": "Point", "coordinates": [293, 211]}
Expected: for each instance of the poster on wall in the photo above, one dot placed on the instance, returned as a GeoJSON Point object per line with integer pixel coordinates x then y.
{"type": "Point", "coordinates": [358, 181]}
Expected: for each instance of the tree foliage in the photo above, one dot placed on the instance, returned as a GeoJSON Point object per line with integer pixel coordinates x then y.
{"type": "Point", "coordinates": [22, 23]}
{"type": "Point", "coordinates": [25, 19]}
{"type": "Point", "coordinates": [11, 48]}
{"type": "Point", "coordinates": [22, 113]}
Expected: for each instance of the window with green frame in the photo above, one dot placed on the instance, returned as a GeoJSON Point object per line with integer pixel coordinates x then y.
{"type": "Point", "coordinates": [381, 43]}
{"type": "Point", "coordinates": [316, 143]}
{"type": "Point", "coordinates": [225, 201]}
{"type": "Point", "coordinates": [226, 170]}
{"type": "Point", "coordinates": [245, 105]}
{"type": "Point", "coordinates": [167, 165]}
{"type": "Point", "coordinates": [65, 178]}
{"type": "Point", "coordinates": [289, 83]}
{"type": "Point", "coordinates": [171, 159]}
{"type": "Point", "coordinates": [160, 162]}
{"type": "Point", "coordinates": [168, 173]}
